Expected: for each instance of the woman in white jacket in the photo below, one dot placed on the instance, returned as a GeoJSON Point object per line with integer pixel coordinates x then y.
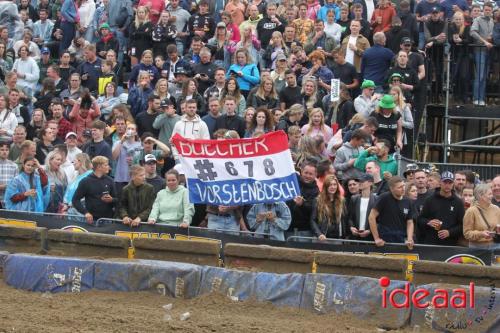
{"type": "Point", "coordinates": [8, 120]}
{"type": "Point", "coordinates": [27, 69]}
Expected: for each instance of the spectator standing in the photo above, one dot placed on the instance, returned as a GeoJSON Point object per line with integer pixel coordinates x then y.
{"type": "Point", "coordinates": [391, 220]}
{"type": "Point", "coordinates": [442, 215]}
{"type": "Point", "coordinates": [137, 198]}
{"type": "Point", "coordinates": [376, 61]}
{"type": "Point", "coordinates": [380, 154]}
{"type": "Point", "coordinates": [18, 138]}
{"type": "Point", "coordinates": [481, 32]}
{"type": "Point", "coordinates": [303, 25]}
{"type": "Point", "coordinates": [382, 16]}
{"type": "Point", "coordinates": [90, 69]}
{"type": "Point", "coordinates": [152, 177]}
{"type": "Point", "coordinates": [230, 120]}
{"type": "Point", "coordinates": [328, 219]}
{"type": "Point", "coordinates": [123, 153]}
{"type": "Point", "coordinates": [69, 19]}
{"type": "Point", "coordinates": [495, 187]}
{"type": "Point", "coordinates": [180, 17]}
{"type": "Point", "coordinates": [346, 156]}
{"type": "Point", "coordinates": [354, 45]}
{"type": "Point", "coordinates": [8, 170]}
{"type": "Point", "coordinates": [269, 24]}
{"type": "Point", "coordinates": [270, 218]}
{"type": "Point", "coordinates": [390, 125]}
{"type": "Point", "coordinates": [140, 34]}
{"type": "Point", "coordinates": [27, 70]}
{"type": "Point", "coordinates": [29, 191]}
{"type": "Point", "coordinates": [245, 72]}
{"type": "Point", "coordinates": [97, 146]}
{"type": "Point", "coordinates": [145, 119]}
{"type": "Point", "coordinates": [98, 191]}
{"type": "Point", "coordinates": [380, 185]}
{"type": "Point", "coordinates": [435, 30]}
{"type": "Point", "coordinates": [360, 207]}
{"type": "Point", "coordinates": [165, 122]}
{"type": "Point", "coordinates": [481, 219]}
{"type": "Point", "coordinates": [85, 110]}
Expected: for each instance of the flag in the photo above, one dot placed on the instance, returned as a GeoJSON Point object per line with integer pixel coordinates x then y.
{"type": "Point", "coordinates": [238, 172]}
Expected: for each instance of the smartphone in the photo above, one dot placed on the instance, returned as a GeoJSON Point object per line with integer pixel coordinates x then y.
{"type": "Point", "coordinates": [105, 193]}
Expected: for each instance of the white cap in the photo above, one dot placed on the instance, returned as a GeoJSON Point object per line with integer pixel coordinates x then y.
{"type": "Point", "coordinates": [70, 134]}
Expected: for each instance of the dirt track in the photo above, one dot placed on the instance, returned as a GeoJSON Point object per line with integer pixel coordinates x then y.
{"type": "Point", "coordinates": [100, 311]}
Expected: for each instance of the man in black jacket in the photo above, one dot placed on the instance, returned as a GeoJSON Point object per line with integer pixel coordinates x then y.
{"type": "Point", "coordinates": [231, 121]}
{"type": "Point", "coordinates": [99, 193]}
{"type": "Point", "coordinates": [301, 207]}
{"type": "Point", "coordinates": [269, 24]}
{"type": "Point", "coordinates": [442, 216]}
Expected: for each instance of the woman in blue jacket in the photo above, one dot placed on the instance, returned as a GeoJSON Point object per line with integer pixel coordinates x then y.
{"type": "Point", "coordinates": [244, 71]}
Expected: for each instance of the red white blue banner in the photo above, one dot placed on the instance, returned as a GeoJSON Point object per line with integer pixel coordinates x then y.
{"type": "Point", "coordinates": [237, 172]}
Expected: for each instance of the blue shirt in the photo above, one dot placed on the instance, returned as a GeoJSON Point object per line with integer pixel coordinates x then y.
{"type": "Point", "coordinates": [447, 6]}
{"type": "Point", "coordinates": [375, 62]}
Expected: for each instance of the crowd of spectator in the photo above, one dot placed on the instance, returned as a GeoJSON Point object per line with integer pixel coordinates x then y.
{"type": "Point", "coordinates": [93, 91]}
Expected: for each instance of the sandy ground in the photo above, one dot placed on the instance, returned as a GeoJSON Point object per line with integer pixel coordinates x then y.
{"type": "Point", "coordinates": [102, 311]}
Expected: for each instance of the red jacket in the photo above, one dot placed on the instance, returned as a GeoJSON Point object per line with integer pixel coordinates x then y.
{"type": "Point", "coordinates": [387, 14]}
{"type": "Point", "coordinates": [80, 123]}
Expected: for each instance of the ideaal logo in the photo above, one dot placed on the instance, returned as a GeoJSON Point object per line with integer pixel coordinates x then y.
{"type": "Point", "coordinates": [460, 297]}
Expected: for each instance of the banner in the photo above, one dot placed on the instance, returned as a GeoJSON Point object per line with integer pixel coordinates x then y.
{"type": "Point", "coordinates": [335, 90]}
{"type": "Point", "coordinates": [238, 172]}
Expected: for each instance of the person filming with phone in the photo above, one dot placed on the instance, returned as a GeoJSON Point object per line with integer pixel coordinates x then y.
{"type": "Point", "coordinates": [99, 192]}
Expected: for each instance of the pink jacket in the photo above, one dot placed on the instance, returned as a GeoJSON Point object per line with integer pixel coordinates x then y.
{"type": "Point", "coordinates": [79, 123]}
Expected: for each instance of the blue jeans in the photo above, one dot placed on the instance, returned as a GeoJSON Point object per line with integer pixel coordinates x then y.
{"type": "Point", "coordinates": [421, 40]}
{"type": "Point", "coordinates": [481, 60]}
{"type": "Point", "coordinates": [122, 42]}
{"type": "Point", "coordinates": [180, 46]}
{"type": "Point", "coordinates": [304, 233]}
{"type": "Point", "coordinates": [228, 223]}
{"type": "Point", "coordinates": [69, 32]}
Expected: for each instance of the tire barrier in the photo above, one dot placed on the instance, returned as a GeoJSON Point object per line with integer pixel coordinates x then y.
{"type": "Point", "coordinates": [168, 278]}
{"type": "Point", "coordinates": [358, 296]}
{"type": "Point", "coordinates": [194, 252]}
{"type": "Point", "coordinates": [280, 289]}
{"type": "Point", "coordinates": [426, 272]}
{"type": "Point", "coordinates": [360, 265]}
{"type": "Point", "coordinates": [49, 274]}
{"type": "Point", "coordinates": [21, 239]}
{"type": "Point", "coordinates": [361, 297]}
{"type": "Point", "coordinates": [482, 318]}
{"type": "Point", "coordinates": [263, 258]}
{"type": "Point", "coordinates": [86, 244]}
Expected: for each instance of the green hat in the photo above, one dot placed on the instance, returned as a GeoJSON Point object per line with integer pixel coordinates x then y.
{"type": "Point", "coordinates": [367, 84]}
{"type": "Point", "coordinates": [104, 26]}
{"type": "Point", "coordinates": [387, 102]}
{"type": "Point", "coordinates": [395, 75]}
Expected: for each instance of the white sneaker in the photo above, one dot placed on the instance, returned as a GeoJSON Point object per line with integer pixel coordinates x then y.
{"type": "Point", "coordinates": [476, 102]}
{"type": "Point", "coordinates": [482, 103]}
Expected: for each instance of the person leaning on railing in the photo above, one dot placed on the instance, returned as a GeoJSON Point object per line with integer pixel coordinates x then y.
{"type": "Point", "coordinates": [172, 205]}
{"type": "Point", "coordinates": [137, 198]}
{"type": "Point", "coordinates": [482, 220]}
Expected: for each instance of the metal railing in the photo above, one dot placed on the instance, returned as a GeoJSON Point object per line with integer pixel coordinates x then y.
{"type": "Point", "coordinates": [189, 229]}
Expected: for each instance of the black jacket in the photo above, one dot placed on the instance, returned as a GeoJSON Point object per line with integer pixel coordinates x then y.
{"type": "Point", "coordinates": [235, 123]}
{"type": "Point", "coordinates": [302, 214]}
{"type": "Point", "coordinates": [448, 210]}
{"type": "Point", "coordinates": [92, 188]}
{"type": "Point", "coordinates": [353, 213]}
{"type": "Point", "coordinates": [336, 229]}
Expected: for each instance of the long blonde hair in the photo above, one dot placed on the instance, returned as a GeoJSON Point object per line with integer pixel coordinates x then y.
{"type": "Point", "coordinates": [332, 212]}
{"type": "Point", "coordinates": [314, 97]}
{"type": "Point", "coordinates": [260, 91]}
{"type": "Point", "coordinates": [137, 23]}
{"type": "Point", "coordinates": [400, 101]}
{"type": "Point", "coordinates": [321, 124]}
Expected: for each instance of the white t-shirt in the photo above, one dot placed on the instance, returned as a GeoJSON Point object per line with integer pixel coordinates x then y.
{"type": "Point", "coordinates": [349, 54]}
{"type": "Point", "coordinates": [370, 8]}
{"type": "Point", "coordinates": [363, 209]}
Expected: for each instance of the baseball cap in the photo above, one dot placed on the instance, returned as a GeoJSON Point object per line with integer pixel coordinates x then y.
{"type": "Point", "coordinates": [179, 169]}
{"type": "Point", "coordinates": [149, 158]}
{"type": "Point", "coordinates": [70, 134]}
{"type": "Point", "coordinates": [447, 175]}
{"type": "Point", "coordinates": [281, 56]}
{"type": "Point", "coordinates": [180, 70]}
{"type": "Point", "coordinates": [221, 25]}
{"type": "Point", "coordinates": [87, 132]}
{"type": "Point", "coordinates": [166, 102]}
{"type": "Point", "coordinates": [435, 10]}
{"type": "Point", "coordinates": [406, 40]}
{"type": "Point", "coordinates": [104, 26]}
{"type": "Point", "coordinates": [366, 178]}
{"type": "Point", "coordinates": [412, 167]}
{"type": "Point", "coordinates": [45, 50]}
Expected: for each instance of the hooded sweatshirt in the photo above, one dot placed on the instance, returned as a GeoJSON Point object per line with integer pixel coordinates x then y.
{"type": "Point", "coordinates": [448, 210]}
{"type": "Point", "coordinates": [390, 164]}
{"type": "Point", "coordinates": [190, 129]}
{"type": "Point", "coordinates": [172, 207]}
{"type": "Point", "coordinates": [342, 157]}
